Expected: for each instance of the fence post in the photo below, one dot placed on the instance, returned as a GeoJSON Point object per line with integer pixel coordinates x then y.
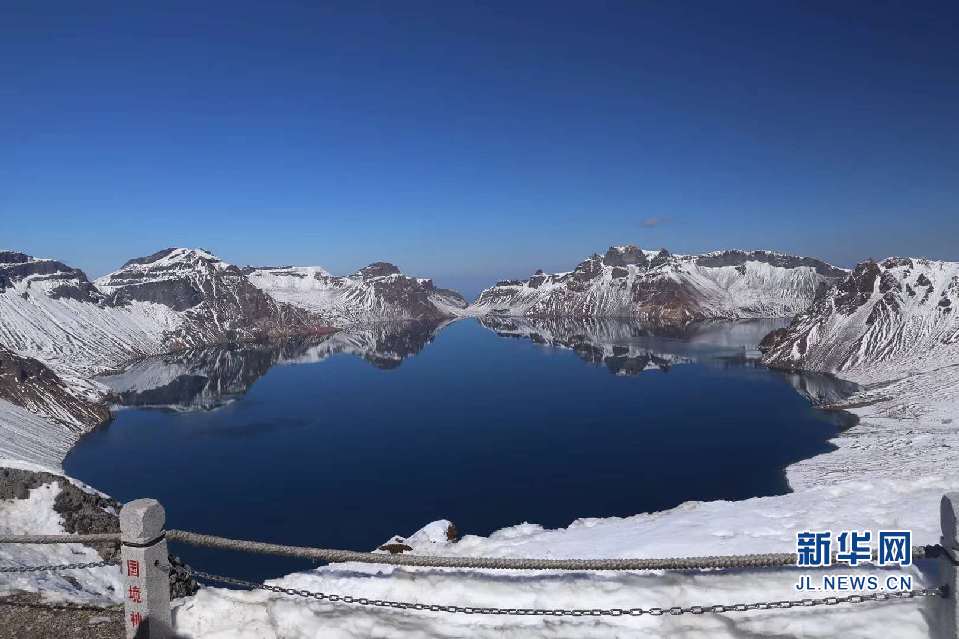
{"type": "Point", "coordinates": [949, 516]}
{"type": "Point", "coordinates": [143, 561]}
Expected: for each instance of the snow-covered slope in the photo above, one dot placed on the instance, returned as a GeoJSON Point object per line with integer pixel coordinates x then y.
{"type": "Point", "coordinates": [378, 292]}
{"type": "Point", "coordinates": [661, 287]}
{"type": "Point", "coordinates": [52, 312]}
{"type": "Point", "coordinates": [214, 300]}
{"type": "Point", "coordinates": [886, 319]}
{"type": "Point", "coordinates": [29, 383]}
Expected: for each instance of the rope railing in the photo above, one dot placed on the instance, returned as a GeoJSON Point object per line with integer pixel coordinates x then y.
{"type": "Point", "coordinates": [333, 555]}
{"type": "Point", "coordinates": [143, 545]}
{"type": "Point", "coordinates": [765, 560]}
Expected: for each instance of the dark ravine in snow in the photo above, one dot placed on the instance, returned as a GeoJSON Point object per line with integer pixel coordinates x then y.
{"type": "Point", "coordinates": [660, 287]}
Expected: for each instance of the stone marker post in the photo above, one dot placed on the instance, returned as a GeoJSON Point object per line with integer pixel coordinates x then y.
{"type": "Point", "coordinates": [144, 564]}
{"type": "Point", "coordinates": [949, 516]}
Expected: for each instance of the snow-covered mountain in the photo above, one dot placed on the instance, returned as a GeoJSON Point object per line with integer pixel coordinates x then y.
{"type": "Point", "coordinates": [64, 330]}
{"type": "Point", "coordinates": [58, 330]}
{"type": "Point", "coordinates": [897, 316]}
{"type": "Point", "coordinates": [662, 287]}
{"type": "Point", "coordinates": [213, 300]}
{"type": "Point", "coordinates": [378, 292]}
{"type": "Point", "coordinates": [52, 312]}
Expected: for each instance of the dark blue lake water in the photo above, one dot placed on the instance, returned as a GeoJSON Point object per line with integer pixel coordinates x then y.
{"type": "Point", "coordinates": [346, 441]}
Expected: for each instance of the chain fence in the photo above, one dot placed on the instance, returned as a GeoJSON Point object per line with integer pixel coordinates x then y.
{"type": "Point", "coordinates": [896, 595]}
{"type": "Point", "coordinates": [336, 556]}
{"type": "Point", "coordinates": [55, 568]}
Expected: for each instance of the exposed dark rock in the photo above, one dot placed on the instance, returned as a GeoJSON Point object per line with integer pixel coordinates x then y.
{"type": "Point", "coordinates": [30, 384]}
{"type": "Point", "coordinates": [857, 288]}
{"type": "Point", "coordinates": [82, 512]}
{"type": "Point", "coordinates": [659, 259]}
{"type": "Point", "coordinates": [737, 258]}
{"type": "Point", "coordinates": [894, 262]}
{"type": "Point", "coordinates": [772, 339]}
{"type": "Point", "coordinates": [179, 295]}
{"type": "Point", "coordinates": [377, 269]}
{"type": "Point", "coordinates": [74, 283]}
{"type": "Point", "coordinates": [182, 584]}
{"type": "Point", "coordinates": [149, 259]}
{"type": "Point", "coordinates": [624, 256]}
{"type": "Point", "coordinates": [396, 548]}
{"type": "Point", "coordinates": [13, 257]}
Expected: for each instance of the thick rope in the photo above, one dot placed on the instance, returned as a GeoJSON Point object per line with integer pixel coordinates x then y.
{"type": "Point", "coordinates": [61, 539]}
{"type": "Point", "coordinates": [494, 563]}
{"type": "Point", "coordinates": [767, 560]}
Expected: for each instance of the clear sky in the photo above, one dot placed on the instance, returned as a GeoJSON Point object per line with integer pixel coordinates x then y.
{"type": "Point", "coordinates": [474, 141]}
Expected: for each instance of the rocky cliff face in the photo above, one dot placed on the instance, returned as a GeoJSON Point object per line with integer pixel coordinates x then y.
{"type": "Point", "coordinates": [375, 293]}
{"type": "Point", "coordinates": [896, 315]}
{"type": "Point", "coordinates": [30, 384]}
{"type": "Point", "coordinates": [214, 300]}
{"type": "Point", "coordinates": [663, 288]}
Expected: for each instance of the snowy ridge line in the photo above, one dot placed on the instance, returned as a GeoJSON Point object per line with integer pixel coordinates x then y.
{"type": "Point", "coordinates": [763, 560]}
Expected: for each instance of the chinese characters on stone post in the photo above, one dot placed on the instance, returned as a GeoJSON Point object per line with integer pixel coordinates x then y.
{"type": "Point", "coordinates": [133, 592]}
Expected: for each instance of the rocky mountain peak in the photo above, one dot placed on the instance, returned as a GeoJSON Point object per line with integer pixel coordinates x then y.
{"type": "Point", "coordinates": [173, 258]}
{"type": "Point", "coordinates": [781, 260]}
{"type": "Point", "coordinates": [624, 256]}
{"type": "Point", "coordinates": [377, 269]}
{"type": "Point", "coordinates": [45, 277]}
{"type": "Point", "coordinates": [216, 299]}
{"type": "Point", "coordinates": [14, 257]}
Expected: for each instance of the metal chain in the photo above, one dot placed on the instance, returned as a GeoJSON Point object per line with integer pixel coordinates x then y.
{"type": "Point", "coordinates": [565, 612]}
{"type": "Point", "coordinates": [96, 564]}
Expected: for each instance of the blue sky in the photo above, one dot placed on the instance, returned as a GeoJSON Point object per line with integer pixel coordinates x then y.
{"type": "Point", "coordinates": [475, 141]}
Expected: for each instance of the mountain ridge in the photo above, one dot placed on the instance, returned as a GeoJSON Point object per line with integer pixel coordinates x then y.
{"type": "Point", "coordinates": [898, 314]}
{"type": "Point", "coordinates": [660, 287]}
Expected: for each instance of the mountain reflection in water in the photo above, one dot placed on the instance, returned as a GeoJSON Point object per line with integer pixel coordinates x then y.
{"type": "Point", "coordinates": [347, 440]}
{"type": "Point", "coordinates": [207, 378]}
